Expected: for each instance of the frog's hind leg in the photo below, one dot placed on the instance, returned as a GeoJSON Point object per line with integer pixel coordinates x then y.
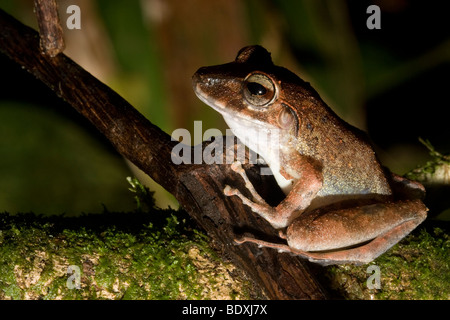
{"type": "Point", "coordinates": [382, 225]}
{"type": "Point", "coordinates": [357, 253]}
{"type": "Point", "coordinates": [368, 252]}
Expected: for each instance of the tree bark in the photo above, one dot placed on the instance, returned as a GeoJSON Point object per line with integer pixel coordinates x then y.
{"type": "Point", "coordinates": [197, 187]}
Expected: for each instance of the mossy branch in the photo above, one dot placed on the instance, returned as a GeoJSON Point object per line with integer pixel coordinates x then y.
{"type": "Point", "coordinates": [139, 255]}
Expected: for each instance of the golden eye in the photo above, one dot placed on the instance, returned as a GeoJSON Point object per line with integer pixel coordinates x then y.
{"type": "Point", "coordinates": [259, 89]}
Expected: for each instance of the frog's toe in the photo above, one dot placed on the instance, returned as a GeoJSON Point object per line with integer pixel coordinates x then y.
{"type": "Point", "coordinates": [236, 166]}
{"type": "Point", "coordinates": [229, 191]}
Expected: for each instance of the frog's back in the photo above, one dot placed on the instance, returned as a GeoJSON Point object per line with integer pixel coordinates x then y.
{"type": "Point", "coordinates": [348, 161]}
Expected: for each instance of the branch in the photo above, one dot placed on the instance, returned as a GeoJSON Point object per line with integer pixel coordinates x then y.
{"type": "Point", "coordinates": [52, 41]}
{"type": "Point", "coordinates": [198, 188]}
{"type": "Point", "coordinates": [39, 255]}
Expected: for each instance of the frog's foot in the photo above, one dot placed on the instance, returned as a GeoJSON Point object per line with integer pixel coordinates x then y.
{"type": "Point", "coordinates": [278, 246]}
{"type": "Point", "coordinates": [282, 234]}
{"type": "Point", "coordinates": [284, 248]}
{"type": "Point", "coordinates": [237, 167]}
{"type": "Point", "coordinates": [322, 258]}
{"type": "Point", "coordinates": [267, 212]}
{"type": "Point", "coordinates": [407, 189]}
{"type": "Point", "coordinates": [262, 208]}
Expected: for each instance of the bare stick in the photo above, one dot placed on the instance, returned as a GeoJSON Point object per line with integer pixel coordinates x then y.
{"type": "Point", "coordinates": [51, 33]}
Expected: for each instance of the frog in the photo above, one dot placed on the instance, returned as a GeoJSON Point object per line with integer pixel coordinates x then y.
{"type": "Point", "coordinates": [341, 206]}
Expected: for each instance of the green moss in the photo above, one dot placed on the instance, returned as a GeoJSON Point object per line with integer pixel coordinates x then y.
{"type": "Point", "coordinates": [144, 263]}
{"type": "Point", "coordinates": [434, 171]}
{"type": "Point", "coordinates": [416, 268]}
{"type": "Point", "coordinates": [146, 254]}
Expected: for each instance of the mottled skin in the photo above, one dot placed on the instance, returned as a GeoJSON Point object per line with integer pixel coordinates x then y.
{"type": "Point", "coordinates": [339, 205]}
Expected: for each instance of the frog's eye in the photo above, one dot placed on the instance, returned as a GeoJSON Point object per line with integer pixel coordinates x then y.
{"type": "Point", "coordinates": [259, 89]}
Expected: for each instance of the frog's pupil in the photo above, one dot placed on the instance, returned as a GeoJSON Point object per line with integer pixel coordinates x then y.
{"type": "Point", "coordinates": [256, 89]}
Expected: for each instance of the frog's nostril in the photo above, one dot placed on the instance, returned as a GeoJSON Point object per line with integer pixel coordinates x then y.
{"type": "Point", "coordinates": [204, 78]}
{"type": "Point", "coordinates": [198, 77]}
{"type": "Point", "coordinates": [201, 73]}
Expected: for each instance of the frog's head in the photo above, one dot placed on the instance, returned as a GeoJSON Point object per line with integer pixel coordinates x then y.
{"type": "Point", "coordinates": [252, 94]}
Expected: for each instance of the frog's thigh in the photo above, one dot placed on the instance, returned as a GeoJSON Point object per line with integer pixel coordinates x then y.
{"type": "Point", "coordinates": [382, 224]}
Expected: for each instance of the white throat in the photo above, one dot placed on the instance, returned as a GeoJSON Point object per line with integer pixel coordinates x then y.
{"type": "Point", "coordinates": [263, 140]}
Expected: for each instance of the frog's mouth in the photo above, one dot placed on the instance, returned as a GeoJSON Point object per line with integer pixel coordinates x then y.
{"type": "Point", "coordinates": [252, 132]}
{"type": "Point", "coordinates": [210, 102]}
{"type": "Point", "coordinates": [234, 120]}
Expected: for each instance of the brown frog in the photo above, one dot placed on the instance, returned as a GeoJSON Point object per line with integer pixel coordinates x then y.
{"type": "Point", "coordinates": [340, 206]}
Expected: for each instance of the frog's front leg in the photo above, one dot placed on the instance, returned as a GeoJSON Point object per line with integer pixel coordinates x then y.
{"type": "Point", "coordinates": [237, 167]}
{"type": "Point", "coordinates": [302, 193]}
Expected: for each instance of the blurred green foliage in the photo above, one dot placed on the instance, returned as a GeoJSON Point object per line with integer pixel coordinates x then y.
{"type": "Point", "coordinates": [50, 165]}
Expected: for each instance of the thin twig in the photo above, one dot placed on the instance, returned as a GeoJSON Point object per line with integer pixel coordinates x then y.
{"type": "Point", "coordinates": [51, 33]}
